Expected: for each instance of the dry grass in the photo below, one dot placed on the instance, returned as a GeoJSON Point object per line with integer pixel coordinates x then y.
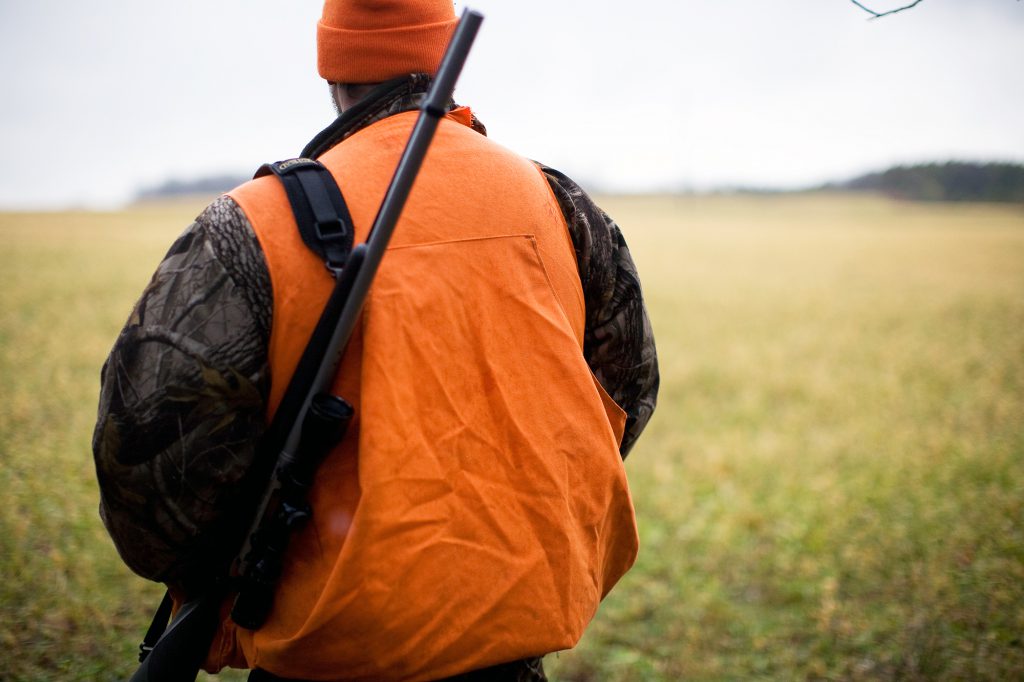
{"type": "Point", "coordinates": [832, 486]}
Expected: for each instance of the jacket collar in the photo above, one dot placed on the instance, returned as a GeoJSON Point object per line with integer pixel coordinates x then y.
{"type": "Point", "coordinates": [395, 96]}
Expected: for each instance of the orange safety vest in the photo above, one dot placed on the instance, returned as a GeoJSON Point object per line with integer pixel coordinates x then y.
{"type": "Point", "coordinates": [477, 510]}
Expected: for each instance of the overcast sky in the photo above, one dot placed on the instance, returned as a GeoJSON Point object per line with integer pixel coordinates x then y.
{"type": "Point", "coordinates": [102, 97]}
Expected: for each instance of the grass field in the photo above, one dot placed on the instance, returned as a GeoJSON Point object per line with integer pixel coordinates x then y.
{"type": "Point", "coordinates": [832, 487]}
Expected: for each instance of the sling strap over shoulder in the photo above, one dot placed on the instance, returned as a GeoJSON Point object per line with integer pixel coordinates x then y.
{"type": "Point", "coordinates": [320, 210]}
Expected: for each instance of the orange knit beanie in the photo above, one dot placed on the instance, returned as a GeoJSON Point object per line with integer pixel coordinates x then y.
{"type": "Point", "coordinates": [368, 41]}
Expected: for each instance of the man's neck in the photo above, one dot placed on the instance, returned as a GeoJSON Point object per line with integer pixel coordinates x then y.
{"type": "Point", "coordinates": [389, 98]}
{"type": "Point", "coordinates": [346, 95]}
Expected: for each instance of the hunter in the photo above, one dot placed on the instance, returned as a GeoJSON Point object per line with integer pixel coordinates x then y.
{"type": "Point", "coordinates": [477, 510]}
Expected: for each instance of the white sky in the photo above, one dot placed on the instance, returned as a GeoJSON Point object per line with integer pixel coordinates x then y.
{"type": "Point", "coordinates": [102, 97]}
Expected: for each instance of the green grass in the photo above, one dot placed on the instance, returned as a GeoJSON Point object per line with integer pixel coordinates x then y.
{"type": "Point", "coordinates": [832, 487]}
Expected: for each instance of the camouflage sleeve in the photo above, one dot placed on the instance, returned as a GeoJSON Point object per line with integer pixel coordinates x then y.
{"type": "Point", "coordinates": [182, 397]}
{"type": "Point", "coordinates": [618, 341]}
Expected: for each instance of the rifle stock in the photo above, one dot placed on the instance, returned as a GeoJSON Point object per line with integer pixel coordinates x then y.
{"type": "Point", "coordinates": [182, 648]}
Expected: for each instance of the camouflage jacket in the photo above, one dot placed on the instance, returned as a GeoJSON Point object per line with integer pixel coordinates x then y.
{"type": "Point", "coordinates": [183, 390]}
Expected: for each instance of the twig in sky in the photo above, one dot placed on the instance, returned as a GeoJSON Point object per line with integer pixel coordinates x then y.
{"type": "Point", "coordinates": [879, 15]}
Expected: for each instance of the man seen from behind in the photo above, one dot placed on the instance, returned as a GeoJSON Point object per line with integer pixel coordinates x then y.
{"type": "Point", "coordinates": [477, 510]}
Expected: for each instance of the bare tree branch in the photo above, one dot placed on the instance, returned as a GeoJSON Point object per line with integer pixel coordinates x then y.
{"type": "Point", "coordinates": [879, 15]}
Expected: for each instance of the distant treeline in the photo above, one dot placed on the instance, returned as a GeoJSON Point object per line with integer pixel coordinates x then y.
{"type": "Point", "coordinates": [952, 181]}
{"type": "Point", "coordinates": [211, 186]}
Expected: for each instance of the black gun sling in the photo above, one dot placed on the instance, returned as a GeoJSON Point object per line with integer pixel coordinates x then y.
{"type": "Point", "coordinates": [325, 226]}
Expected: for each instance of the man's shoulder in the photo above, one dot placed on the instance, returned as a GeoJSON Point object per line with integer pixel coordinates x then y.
{"type": "Point", "coordinates": [571, 196]}
{"type": "Point", "coordinates": [222, 214]}
{"type": "Point", "coordinates": [224, 225]}
{"type": "Point", "coordinates": [555, 175]}
{"type": "Point", "coordinates": [582, 214]}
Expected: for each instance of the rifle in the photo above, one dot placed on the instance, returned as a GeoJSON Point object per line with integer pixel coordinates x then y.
{"type": "Point", "coordinates": [301, 436]}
